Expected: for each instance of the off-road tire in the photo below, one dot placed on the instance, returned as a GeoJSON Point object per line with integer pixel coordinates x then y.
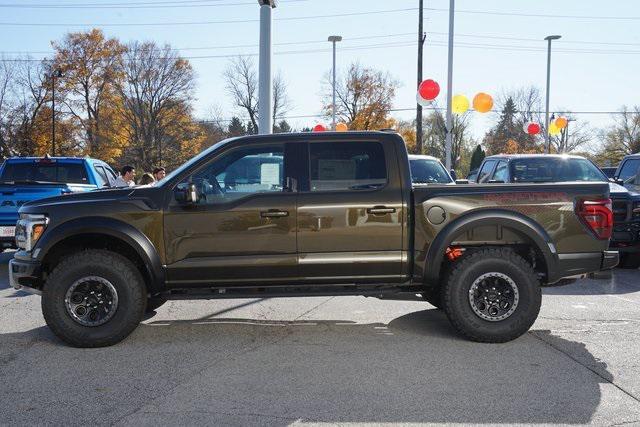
{"type": "Point", "coordinates": [466, 270]}
{"type": "Point", "coordinates": [123, 275]}
{"type": "Point", "coordinates": [630, 261]}
{"type": "Point", "coordinates": [153, 303]}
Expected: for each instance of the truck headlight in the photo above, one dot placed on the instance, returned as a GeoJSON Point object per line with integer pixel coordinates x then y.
{"type": "Point", "coordinates": [29, 229]}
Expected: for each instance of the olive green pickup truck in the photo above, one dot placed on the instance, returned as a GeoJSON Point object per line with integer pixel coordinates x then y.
{"type": "Point", "coordinates": [307, 214]}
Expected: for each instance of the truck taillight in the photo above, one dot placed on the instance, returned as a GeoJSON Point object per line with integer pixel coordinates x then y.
{"type": "Point", "coordinates": [598, 216]}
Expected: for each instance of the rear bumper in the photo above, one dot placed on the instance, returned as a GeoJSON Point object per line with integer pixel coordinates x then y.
{"type": "Point", "coordinates": [576, 264]}
{"type": "Point", "coordinates": [25, 275]}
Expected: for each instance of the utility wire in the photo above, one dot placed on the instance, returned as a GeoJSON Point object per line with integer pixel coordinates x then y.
{"type": "Point", "coordinates": [431, 43]}
{"type": "Point", "coordinates": [133, 5]}
{"type": "Point", "coordinates": [347, 39]}
{"type": "Point", "coordinates": [537, 15]}
{"type": "Point", "coordinates": [229, 21]}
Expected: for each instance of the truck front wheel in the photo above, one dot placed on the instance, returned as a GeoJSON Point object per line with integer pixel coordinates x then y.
{"type": "Point", "coordinates": [93, 298]}
{"type": "Point", "coordinates": [492, 295]}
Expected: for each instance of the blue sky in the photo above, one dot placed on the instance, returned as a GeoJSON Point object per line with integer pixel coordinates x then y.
{"type": "Point", "coordinates": [494, 52]}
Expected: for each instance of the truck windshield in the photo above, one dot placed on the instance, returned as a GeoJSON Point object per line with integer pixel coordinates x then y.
{"type": "Point", "coordinates": [555, 169]}
{"type": "Point", "coordinates": [45, 171]}
{"type": "Point", "coordinates": [427, 171]}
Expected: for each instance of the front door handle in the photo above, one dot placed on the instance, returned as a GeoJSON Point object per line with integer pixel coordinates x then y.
{"type": "Point", "coordinates": [274, 213]}
{"type": "Point", "coordinates": [380, 210]}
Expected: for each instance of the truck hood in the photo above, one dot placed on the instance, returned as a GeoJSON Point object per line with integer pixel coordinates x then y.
{"type": "Point", "coordinates": [37, 206]}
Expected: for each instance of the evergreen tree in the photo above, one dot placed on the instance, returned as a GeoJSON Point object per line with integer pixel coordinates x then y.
{"type": "Point", "coordinates": [282, 127]}
{"type": "Point", "coordinates": [251, 129]}
{"type": "Point", "coordinates": [236, 127]}
{"type": "Point", "coordinates": [476, 158]}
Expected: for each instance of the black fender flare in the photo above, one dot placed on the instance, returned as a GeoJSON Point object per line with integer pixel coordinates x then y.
{"type": "Point", "coordinates": [114, 228]}
{"type": "Point", "coordinates": [483, 217]}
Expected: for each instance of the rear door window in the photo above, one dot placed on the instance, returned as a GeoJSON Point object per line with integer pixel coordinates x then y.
{"type": "Point", "coordinates": [629, 171]}
{"type": "Point", "coordinates": [485, 172]}
{"type": "Point", "coordinates": [501, 175]}
{"type": "Point", "coordinates": [344, 165]}
{"type": "Point", "coordinates": [103, 179]}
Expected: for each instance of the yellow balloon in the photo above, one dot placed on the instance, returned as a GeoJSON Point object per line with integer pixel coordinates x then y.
{"type": "Point", "coordinates": [341, 127]}
{"type": "Point", "coordinates": [561, 122]}
{"type": "Point", "coordinates": [553, 129]}
{"type": "Point", "coordinates": [459, 104]}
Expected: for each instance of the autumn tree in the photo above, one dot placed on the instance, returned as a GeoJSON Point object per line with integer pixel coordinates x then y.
{"type": "Point", "coordinates": [157, 87]}
{"type": "Point", "coordinates": [91, 66]}
{"type": "Point", "coordinates": [364, 98]}
{"type": "Point", "coordinates": [7, 84]}
{"type": "Point", "coordinates": [242, 85]}
{"type": "Point", "coordinates": [623, 137]}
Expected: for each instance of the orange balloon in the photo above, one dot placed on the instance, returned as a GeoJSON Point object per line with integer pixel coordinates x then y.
{"type": "Point", "coordinates": [341, 127]}
{"type": "Point", "coordinates": [482, 102]}
{"type": "Point", "coordinates": [561, 122]}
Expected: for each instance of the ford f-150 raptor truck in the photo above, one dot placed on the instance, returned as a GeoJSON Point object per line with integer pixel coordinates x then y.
{"type": "Point", "coordinates": [307, 214]}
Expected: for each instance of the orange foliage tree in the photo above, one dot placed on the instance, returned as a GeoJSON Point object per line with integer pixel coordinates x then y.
{"type": "Point", "coordinates": [91, 71]}
{"type": "Point", "coordinates": [364, 98]}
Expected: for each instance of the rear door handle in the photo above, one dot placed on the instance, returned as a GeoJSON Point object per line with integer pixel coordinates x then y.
{"type": "Point", "coordinates": [380, 210]}
{"type": "Point", "coordinates": [274, 213]}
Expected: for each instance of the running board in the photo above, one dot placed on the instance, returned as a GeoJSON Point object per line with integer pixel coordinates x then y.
{"type": "Point", "coordinates": [379, 291]}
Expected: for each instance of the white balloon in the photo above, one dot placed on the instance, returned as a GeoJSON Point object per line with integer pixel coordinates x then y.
{"type": "Point", "coordinates": [420, 100]}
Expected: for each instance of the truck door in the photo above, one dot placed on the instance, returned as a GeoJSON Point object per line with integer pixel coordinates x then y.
{"type": "Point", "coordinates": [351, 216]}
{"type": "Point", "coordinates": [242, 229]}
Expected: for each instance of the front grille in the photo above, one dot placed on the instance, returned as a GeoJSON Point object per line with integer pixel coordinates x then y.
{"type": "Point", "coordinates": [621, 210]}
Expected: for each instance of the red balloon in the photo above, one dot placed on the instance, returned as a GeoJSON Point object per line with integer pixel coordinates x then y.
{"type": "Point", "coordinates": [429, 89]}
{"type": "Point", "coordinates": [533, 128]}
{"type": "Point", "coordinates": [319, 128]}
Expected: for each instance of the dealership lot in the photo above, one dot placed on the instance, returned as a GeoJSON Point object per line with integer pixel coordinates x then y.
{"type": "Point", "coordinates": [329, 360]}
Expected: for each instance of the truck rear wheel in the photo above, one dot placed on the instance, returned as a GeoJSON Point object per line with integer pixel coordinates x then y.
{"type": "Point", "coordinates": [93, 298]}
{"type": "Point", "coordinates": [630, 260]}
{"type": "Point", "coordinates": [492, 295]}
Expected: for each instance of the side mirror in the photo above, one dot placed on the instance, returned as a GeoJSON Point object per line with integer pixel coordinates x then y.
{"type": "Point", "coordinates": [453, 174]}
{"type": "Point", "coordinates": [186, 195]}
{"type": "Point", "coordinates": [462, 181]}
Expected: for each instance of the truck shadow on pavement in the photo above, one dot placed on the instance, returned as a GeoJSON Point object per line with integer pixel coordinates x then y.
{"type": "Point", "coordinates": [249, 371]}
{"type": "Point", "coordinates": [623, 281]}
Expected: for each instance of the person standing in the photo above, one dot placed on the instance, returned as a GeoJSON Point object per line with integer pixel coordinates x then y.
{"type": "Point", "coordinates": [159, 173]}
{"type": "Point", "coordinates": [127, 173]}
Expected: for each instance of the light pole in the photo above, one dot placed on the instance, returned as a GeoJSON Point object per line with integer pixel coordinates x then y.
{"type": "Point", "coordinates": [334, 40]}
{"type": "Point", "coordinates": [449, 125]}
{"type": "Point", "coordinates": [54, 73]}
{"type": "Point", "coordinates": [265, 122]}
{"type": "Point", "coordinates": [547, 147]}
{"type": "Point", "coordinates": [421, 38]}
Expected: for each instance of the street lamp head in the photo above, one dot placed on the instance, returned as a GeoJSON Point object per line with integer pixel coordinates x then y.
{"type": "Point", "coordinates": [556, 37]}
{"type": "Point", "coordinates": [271, 3]}
{"type": "Point", "coordinates": [335, 39]}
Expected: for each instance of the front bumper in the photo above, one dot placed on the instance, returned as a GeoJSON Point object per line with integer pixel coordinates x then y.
{"type": "Point", "coordinates": [25, 275]}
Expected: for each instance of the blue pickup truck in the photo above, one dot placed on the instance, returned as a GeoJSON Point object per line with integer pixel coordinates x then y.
{"type": "Point", "coordinates": [23, 179]}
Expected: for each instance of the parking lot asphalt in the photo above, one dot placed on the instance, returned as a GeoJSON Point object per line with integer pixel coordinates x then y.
{"type": "Point", "coordinates": [329, 360]}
